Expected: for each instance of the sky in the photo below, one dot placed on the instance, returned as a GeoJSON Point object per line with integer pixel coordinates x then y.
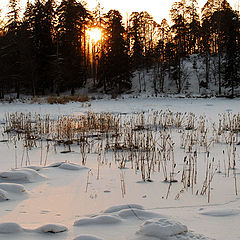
{"type": "Point", "coordinates": [159, 9]}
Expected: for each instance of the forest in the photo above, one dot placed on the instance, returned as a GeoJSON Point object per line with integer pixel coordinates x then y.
{"type": "Point", "coordinates": [48, 49]}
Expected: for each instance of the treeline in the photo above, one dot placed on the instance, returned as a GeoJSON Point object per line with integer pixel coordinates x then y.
{"type": "Point", "coordinates": [48, 50]}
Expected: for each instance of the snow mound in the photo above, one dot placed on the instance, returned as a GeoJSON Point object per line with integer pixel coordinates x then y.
{"type": "Point", "coordinates": [122, 207]}
{"type": "Point", "coordinates": [21, 175]}
{"type": "Point", "coordinates": [104, 219]}
{"type": "Point", "coordinates": [36, 168]}
{"type": "Point", "coordinates": [188, 236]}
{"type": "Point", "coordinates": [12, 187]}
{"type": "Point", "coordinates": [10, 227]}
{"type": "Point", "coordinates": [221, 212]}
{"type": "Point", "coordinates": [138, 213]}
{"type": "Point", "coordinates": [71, 166]}
{"type": "Point", "coordinates": [55, 164]}
{"type": "Point", "coordinates": [162, 228]}
{"type": "Point", "coordinates": [87, 237]}
{"type": "Point", "coordinates": [3, 195]}
{"type": "Point", "coordinates": [51, 228]}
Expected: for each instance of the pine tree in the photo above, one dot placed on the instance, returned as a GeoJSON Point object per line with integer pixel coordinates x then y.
{"type": "Point", "coordinates": [72, 18]}
{"type": "Point", "coordinates": [161, 53]}
{"type": "Point", "coordinates": [12, 48]}
{"type": "Point", "coordinates": [27, 52]}
{"type": "Point", "coordinates": [136, 41]}
{"type": "Point", "coordinates": [179, 28]}
{"type": "Point", "coordinates": [231, 26]}
{"type": "Point", "coordinates": [42, 34]}
{"type": "Point", "coordinates": [116, 59]}
{"type": "Point", "coordinates": [194, 28]}
{"type": "Point", "coordinates": [2, 64]}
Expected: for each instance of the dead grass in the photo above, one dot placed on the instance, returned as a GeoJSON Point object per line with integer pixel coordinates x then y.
{"type": "Point", "coordinates": [62, 99]}
{"type": "Point", "coordinates": [143, 142]}
{"type": "Point", "coordinates": [67, 99]}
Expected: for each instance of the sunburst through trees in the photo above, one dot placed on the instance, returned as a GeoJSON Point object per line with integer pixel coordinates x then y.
{"type": "Point", "coordinates": [59, 46]}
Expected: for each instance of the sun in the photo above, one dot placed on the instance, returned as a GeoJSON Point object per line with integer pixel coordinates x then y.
{"type": "Point", "coordinates": [94, 34]}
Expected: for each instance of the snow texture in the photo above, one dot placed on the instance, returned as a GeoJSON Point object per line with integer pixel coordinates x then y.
{"type": "Point", "coordinates": [138, 213]}
{"type": "Point", "coordinates": [104, 219]}
{"type": "Point", "coordinates": [55, 164]}
{"type": "Point", "coordinates": [12, 187]}
{"type": "Point", "coordinates": [221, 212]}
{"type": "Point", "coordinates": [162, 228]}
{"type": "Point", "coordinates": [122, 207]}
{"type": "Point", "coordinates": [51, 228]}
{"type": "Point", "coordinates": [21, 175]}
{"type": "Point", "coordinates": [36, 168]}
{"type": "Point", "coordinates": [87, 237]}
{"type": "Point", "coordinates": [71, 166]}
{"type": "Point", "coordinates": [10, 227]}
{"type": "Point", "coordinates": [3, 195]}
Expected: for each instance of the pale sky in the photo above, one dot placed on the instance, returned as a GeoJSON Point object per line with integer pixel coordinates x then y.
{"type": "Point", "coordinates": [159, 9]}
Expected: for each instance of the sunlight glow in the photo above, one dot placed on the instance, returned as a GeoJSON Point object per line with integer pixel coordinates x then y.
{"type": "Point", "coordinates": [94, 34]}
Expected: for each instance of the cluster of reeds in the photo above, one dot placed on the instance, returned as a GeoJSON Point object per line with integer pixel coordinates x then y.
{"type": "Point", "coordinates": [62, 99]}
{"type": "Point", "coordinates": [143, 141]}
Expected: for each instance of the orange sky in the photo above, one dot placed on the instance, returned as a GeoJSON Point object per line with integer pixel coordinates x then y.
{"type": "Point", "coordinates": [159, 9]}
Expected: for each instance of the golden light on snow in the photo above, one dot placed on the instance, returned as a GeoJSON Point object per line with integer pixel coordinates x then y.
{"type": "Point", "coordinates": [94, 34]}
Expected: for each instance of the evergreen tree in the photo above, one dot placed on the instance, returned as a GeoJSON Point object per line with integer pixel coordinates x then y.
{"type": "Point", "coordinates": [72, 18]}
{"type": "Point", "coordinates": [194, 28]}
{"type": "Point", "coordinates": [42, 31]}
{"type": "Point", "coordinates": [12, 48]}
{"type": "Point", "coordinates": [180, 19]}
{"type": "Point", "coordinates": [161, 52]}
{"type": "Point", "coordinates": [232, 69]}
{"type": "Point", "coordinates": [136, 41]}
{"type": "Point", "coordinates": [27, 52]}
{"type": "Point", "coordinates": [116, 60]}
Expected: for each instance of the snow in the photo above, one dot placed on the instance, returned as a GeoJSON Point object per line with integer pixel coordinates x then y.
{"type": "Point", "coordinates": [87, 237]}
{"type": "Point", "coordinates": [122, 207]}
{"type": "Point", "coordinates": [221, 212]}
{"type": "Point", "coordinates": [10, 227]}
{"type": "Point", "coordinates": [136, 213]}
{"type": "Point", "coordinates": [104, 219]}
{"type": "Point", "coordinates": [71, 166]}
{"type": "Point", "coordinates": [36, 168]}
{"type": "Point", "coordinates": [55, 164]}
{"type": "Point", "coordinates": [21, 175]}
{"type": "Point", "coordinates": [162, 228]}
{"type": "Point", "coordinates": [51, 228]}
{"type": "Point", "coordinates": [90, 205]}
{"type": "Point", "coordinates": [3, 195]}
{"type": "Point", "coordinates": [13, 187]}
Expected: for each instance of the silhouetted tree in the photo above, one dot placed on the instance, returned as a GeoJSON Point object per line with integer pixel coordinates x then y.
{"type": "Point", "coordinates": [117, 74]}
{"type": "Point", "coordinates": [72, 17]}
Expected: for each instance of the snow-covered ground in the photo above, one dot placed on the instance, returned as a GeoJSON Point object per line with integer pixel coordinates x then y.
{"type": "Point", "coordinates": [65, 200]}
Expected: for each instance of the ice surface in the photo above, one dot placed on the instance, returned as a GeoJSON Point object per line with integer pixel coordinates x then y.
{"type": "Point", "coordinates": [63, 198]}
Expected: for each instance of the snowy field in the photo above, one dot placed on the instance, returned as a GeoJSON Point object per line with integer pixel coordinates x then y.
{"type": "Point", "coordinates": [192, 191]}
